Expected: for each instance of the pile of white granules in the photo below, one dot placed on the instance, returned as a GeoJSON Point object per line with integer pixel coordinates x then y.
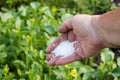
{"type": "Point", "coordinates": [64, 49]}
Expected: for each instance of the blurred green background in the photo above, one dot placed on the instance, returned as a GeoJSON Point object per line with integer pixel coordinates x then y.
{"type": "Point", "coordinates": [28, 26]}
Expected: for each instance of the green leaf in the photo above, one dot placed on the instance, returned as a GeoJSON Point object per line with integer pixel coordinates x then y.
{"type": "Point", "coordinates": [3, 55]}
{"type": "Point", "coordinates": [87, 76]}
{"type": "Point", "coordinates": [6, 16]}
{"type": "Point", "coordinates": [22, 79]}
{"type": "Point", "coordinates": [107, 55]}
{"type": "Point", "coordinates": [18, 23]}
{"type": "Point", "coordinates": [28, 22]}
{"type": "Point", "coordinates": [9, 76]}
{"type": "Point", "coordinates": [84, 69]}
{"type": "Point", "coordinates": [42, 54]}
{"type": "Point", "coordinates": [35, 5]}
{"type": "Point", "coordinates": [19, 64]}
{"type": "Point", "coordinates": [23, 10]}
{"type": "Point", "coordinates": [2, 47]}
{"type": "Point", "coordinates": [118, 61]}
{"type": "Point", "coordinates": [6, 69]}
{"type": "Point", "coordinates": [50, 29]}
{"type": "Point", "coordinates": [59, 73]}
{"type": "Point", "coordinates": [116, 72]}
{"type": "Point", "coordinates": [47, 11]}
{"type": "Point", "coordinates": [46, 77]}
{"type": "Point", "coordinates": [1, 73]}
{"type": "Point", "coordinates": [66, 16]}
{"type": "Point", "coordinates": [19, 72]}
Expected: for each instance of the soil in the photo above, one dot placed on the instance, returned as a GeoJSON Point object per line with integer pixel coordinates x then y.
{"type": "Point", "coordinates": [117, 1]}
{"type": "Point", "coordinates": [116, 51]}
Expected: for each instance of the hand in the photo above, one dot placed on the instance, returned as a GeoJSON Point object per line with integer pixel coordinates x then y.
{"type": "Point", "coordinates": [78, 28]}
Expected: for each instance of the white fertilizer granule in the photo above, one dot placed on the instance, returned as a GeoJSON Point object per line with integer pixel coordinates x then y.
{"type": "Point", "coordinates": [64, 49]}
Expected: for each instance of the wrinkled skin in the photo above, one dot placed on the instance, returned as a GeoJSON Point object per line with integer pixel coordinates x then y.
{"type": "Point", "coordinates": [78, 28]}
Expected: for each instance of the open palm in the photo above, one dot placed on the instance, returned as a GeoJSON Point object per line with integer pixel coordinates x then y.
{"type": "Point", "coordinates": [78, 28]}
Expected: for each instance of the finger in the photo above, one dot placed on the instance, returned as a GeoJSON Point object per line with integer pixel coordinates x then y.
{"type": "Point", "coordinates": [69, 59]}
{"type": "Point", "coordinates": [49, 56]}
{"type": "Point", "coordinates": [65, 26]}
{"type": "Point", "coordinates": [52, 46]}
{"type": "Point", "coordinates": [53, 61]}
{"type": "Point", "coordinates": [79, 49]}
{"type": "Point", "coordinates": [71, 36]}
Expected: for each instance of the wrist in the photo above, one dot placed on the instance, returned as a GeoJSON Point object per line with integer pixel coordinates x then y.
{"type": "Point", "coordinates": [98, 30]}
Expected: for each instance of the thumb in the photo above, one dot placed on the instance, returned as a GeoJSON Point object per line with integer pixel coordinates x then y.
{"type": "Point", "coordinates": [66, 26]}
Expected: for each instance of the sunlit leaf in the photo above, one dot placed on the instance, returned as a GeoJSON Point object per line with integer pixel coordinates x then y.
{"type": "Point", "coordinates": [35, 5]}
{"type": "Point", "coordinates": [19, 72]}
{"type": "Point", "coordinates": [2, 47]}
{"type": "Point", "coordinates": [6, 69]}
{"type": "Point", "coordinates": [6, 16]}
{"type": "Point", "coordinates": [107, 55]}
{"type": "Point", "coordinates": [18, 23]}
{"type": "Point", "coordinates": [42, 54]}
{"type": "Point", "coordinates": [118, 61]}
{"type": "Point", "coordinates": [3, 55]}
{"type": "Point", "coordinates": [66, 16]}
{"type": "Point", "coordinates": [47, 11]}
{"type": "Point", "coordinates": [23, 10]}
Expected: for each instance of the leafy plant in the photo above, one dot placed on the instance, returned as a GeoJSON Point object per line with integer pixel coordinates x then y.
{"type": "Point", "coordinates": [25, 33]}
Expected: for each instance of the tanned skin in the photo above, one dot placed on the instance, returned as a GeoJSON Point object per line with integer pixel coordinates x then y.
{"type": "Point", "coordinates": [92, 33]}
